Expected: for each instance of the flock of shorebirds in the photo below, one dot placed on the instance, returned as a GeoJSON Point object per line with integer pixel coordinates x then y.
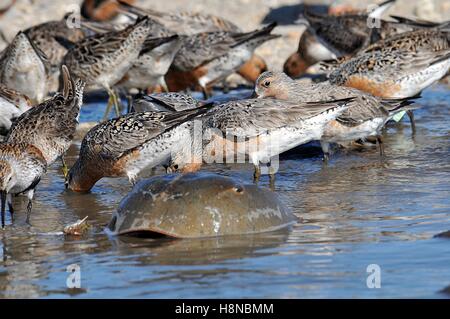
{"type": "Point", "coordinates": [374, 74]}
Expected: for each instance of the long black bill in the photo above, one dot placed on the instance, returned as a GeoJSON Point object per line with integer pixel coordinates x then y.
{"type": "Point", "coordinates": [3, 196]}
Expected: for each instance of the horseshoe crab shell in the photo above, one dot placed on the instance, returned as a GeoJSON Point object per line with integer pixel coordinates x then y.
{"type": "Point", "coordinates": [198, 205]}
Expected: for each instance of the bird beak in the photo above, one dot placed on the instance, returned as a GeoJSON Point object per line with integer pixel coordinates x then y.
{"type": "Point", "coordinates": [254, 95]}
{"type": "Point", "coordinates": [3, 197]}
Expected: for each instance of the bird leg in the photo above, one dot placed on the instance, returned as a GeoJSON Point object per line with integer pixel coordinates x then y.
{"type": "Point", "coordinates": [256, 174]}
{"type": "Point", "coordinates": [3, 199]}
{"type": "Point", "coordinates": [10, 206]}
{"type": "Point", "coordinates": [112, 101]}
{"type": "Point", "coordinates": [65, 169]}
{"type": "Point", "coordinates": [413, 122]}
{"type": "Point", "coordinates": [116, 101]}
{"type": "Point", "coordinates": [380, 145]}
{"type": "Point", "coordinates": [326, 151]}
{"type": "Point", "coordinates": [108, 108]}
{"type": "Point", "coordinates": [30, 195]}
{"type": "Point", "coordinates": [205, 93]}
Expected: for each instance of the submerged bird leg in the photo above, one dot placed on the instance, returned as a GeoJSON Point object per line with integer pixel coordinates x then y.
{"type": "Point", "coordinates": [271, 177]}
{"type": "Point", "coordinates": [29, 207]}
{"type": "Point", "coordinates": [10, 206]}
{"type": "Point", "coordinates": [3, 199]}
{"type": "Point", "coordinates": [413, 122]}
{"type": "Point", "coordinates": [380, 145]}
{"type": "Point", "coordinates": [30, 195]}
{"type": "Point", "coordinates": [326, 151]}
{"type": "Point", "coordinates": [256, 174]}
{"type": "Point", "coordinates": [205, 93]}
{"type": "Point", "coordinates": [129, 104]}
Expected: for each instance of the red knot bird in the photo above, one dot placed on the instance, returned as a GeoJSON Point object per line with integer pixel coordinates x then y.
{"type": "Point", "coordinates": [183, 22]}
{"type": "Point", "coordinates": [398, 67]}
{"type": "Point", "coordinates": [149, 69]}
{"type": "Point", "coordinates": [261, 129]}
{"type": "Point", "coordinates": [45, 36]}
{"type": "Point", "coordinates": [191, 23]}
{"type": "Point", "coordinates": [35, 140]}
{"type": "Point", "coordinates": [330, 36]}
{"type": "Point", "coordinates": [101, 60]}
{"type": "Point", "coordinates": [208, 57]}
{"type": "Point", "coordinates": [365, 116]}
{"type": "Point", "coordinates": [24, 67]}
{"type": "Point", "coordinates": [164, 102]}
{"type": "Point", "coordinates": [126, 145]}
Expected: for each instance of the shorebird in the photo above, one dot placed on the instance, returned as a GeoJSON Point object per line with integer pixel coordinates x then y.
{"type": "Point", "coordinates": [208, 57]}
{"type": "Point", "coordinates": [165, 102]}
{"type": "Point", "coordinates": [101, 10]}
{"type": "Point", "coordinates": [12, 105]}
{"type": "Point", "coordinates": [21, 168]}
{"type": "Point", "coordinates": [24, 67]}
{"type": "Point", "coordinates": [191, 23]}
{"type": "Point", "coordinates": [365, 116]}
{"type": "Point", "coordinates": [329, 36]}
{"type": "Point", "coordinates": [398, 67]}
{"type": "Point", "coordinates": [149, 69]}
{"type": "Point", "coordinates": [50, 126]}
{"type": "Point", "coordinates": [183, 22]}
{"type": "Point", "coordinates": [44, 37]}
{"type": "Point", "coordinates": [36, 139]}
{"type": "Point", "coordinates": [102, 60]}
{"type": "Point", "coordinates": [347, 33]}
{"type": "Point", "coordinates": [261, 129]}
{"type": "Point", "coordinates": [126, 145]}
{"type": "Point", "coordinates": [309, 52]}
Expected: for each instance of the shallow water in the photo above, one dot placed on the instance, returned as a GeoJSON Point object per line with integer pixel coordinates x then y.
{"type": "Point", "coordinates": [356, 211]}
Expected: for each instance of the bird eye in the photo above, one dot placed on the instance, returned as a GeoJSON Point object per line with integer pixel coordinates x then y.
{"type": "Point", "coordinates": [266, 84]}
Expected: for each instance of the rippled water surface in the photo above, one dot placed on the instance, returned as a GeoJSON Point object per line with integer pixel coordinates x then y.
{"type": "Point", "coordinates": [355, 212]}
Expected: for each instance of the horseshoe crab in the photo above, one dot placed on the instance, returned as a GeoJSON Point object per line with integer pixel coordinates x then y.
{"type": "Point", "coordinates": [198, 205]}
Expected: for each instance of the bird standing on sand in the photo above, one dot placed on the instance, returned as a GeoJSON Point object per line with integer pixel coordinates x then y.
{"type": "Point", "coordinates": [37, 139]}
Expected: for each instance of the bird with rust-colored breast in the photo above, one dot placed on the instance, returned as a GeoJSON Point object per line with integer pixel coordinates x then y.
{"type": "Point", "coordinates": [126, 145]}
{"type": "Point", "coordinates": [365, 116]}
{"type": "Point", "coordinates": [260, 129]}
{"type": "Point", "coordinates": [36, 140]}
{"type": "Point", "coordinates": [208, 57]}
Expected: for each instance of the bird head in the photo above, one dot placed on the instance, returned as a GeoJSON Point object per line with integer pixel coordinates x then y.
{"type": "Point", "coordinates": [272, 84]}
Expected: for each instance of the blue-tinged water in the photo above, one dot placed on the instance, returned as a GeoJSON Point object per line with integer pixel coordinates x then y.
{"type": "Point", "coordinates": [356, 212]}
